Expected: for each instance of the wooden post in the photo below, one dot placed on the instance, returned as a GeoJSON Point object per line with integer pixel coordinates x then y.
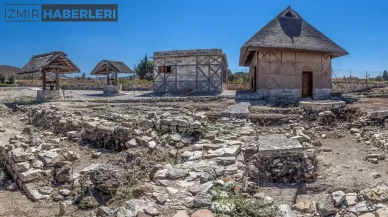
{"type": "Point", "coordinates": [44, 79]}
{"type": "Point", "coordinates": [56, 79]}
{"type": "Point", "coordinates": [116, 79]}
{"type": "Point", "coordinates": [107, 75]}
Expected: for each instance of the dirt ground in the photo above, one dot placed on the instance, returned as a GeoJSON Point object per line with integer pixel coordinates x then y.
{"type": "Point", "coordinates": [340, 159]}
{"type": "Point", "coordinates": [17, 204]}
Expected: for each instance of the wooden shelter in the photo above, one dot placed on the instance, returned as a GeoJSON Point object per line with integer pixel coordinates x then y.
{"type": "Point", "coordinates": [289, 58]}
{"type": "Point", "coordinates": [55, 62]}
{"type": "Point", "coordinates": [108, 68]}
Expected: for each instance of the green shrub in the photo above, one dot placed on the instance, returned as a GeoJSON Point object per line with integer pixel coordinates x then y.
{"type": "Point", "coordinates": [236, 205]}
{"type": "Point", "coordinates": [2, 79]}
{"type": "Point", "coordinates": [11, 79]}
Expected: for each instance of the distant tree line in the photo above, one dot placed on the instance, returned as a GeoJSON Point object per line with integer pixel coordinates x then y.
{"type": "Point", "coordinates": [83, 77]}
{"type": "Point", "coordinates": [383, 77]}
{"type": "Point", "coordinates": [238, 77]}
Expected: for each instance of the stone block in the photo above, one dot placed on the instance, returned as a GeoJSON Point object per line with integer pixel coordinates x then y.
{"type": "Point", "coordinates": [19, 155]}
{"type": "Point", "coordinates": [278, 145]}
{"type": "Point", "coordinates": [21, 167]}
{"type": "Point", "coordinates": [30, 175]}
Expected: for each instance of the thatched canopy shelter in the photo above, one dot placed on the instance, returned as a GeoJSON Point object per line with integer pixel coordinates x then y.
{"type": "Point", "coordinates": [289, 31]}
{"type": "Point", "coordinates": [108, 67]}
{"type": "Point", "coordinates": [56, 62]}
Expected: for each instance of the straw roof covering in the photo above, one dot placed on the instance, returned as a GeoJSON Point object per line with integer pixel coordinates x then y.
{"type": "Point", "coordinates": [49, 62]}
{"type": "Point", "coordinates": [288, 31]}
{"type": "Point", "coordinates": [105, 66]}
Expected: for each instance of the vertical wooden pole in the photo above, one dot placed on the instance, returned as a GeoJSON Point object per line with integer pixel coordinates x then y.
{"type": "Point", "coordinates": [107, 78]}
{"type": "Point", "coordinates": [44, 79]}
{"type": "Point", "coordinates": [56, 79]}
{"type": "Point", "coordinates": [116, 79]}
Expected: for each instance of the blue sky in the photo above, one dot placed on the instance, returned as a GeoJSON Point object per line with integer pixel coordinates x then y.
{"type": "Point", "coordinates": [360, 27]}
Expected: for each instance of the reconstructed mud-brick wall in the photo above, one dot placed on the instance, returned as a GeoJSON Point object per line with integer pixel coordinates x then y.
{"type": "Point", "coordinates": [192, 70]}
{"type": "Point", "coordinates": [279, 73]}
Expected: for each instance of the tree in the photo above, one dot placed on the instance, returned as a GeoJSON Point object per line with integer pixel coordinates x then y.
{"type": "Point", "coordinates": [83, 76]}
{"type": "Point", "coordinates": [144, 68]}
{"type": "Point", "coordinates": [2, 79]}
{"type": "Point", "coordinates": [11, 79]}
{"type": "Point", "coordinates": [229, 75]}
{"type": "Point", "coordinates": [385, 75]}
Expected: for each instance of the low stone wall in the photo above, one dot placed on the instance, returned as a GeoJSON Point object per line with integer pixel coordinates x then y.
{"type": "Point", "coordinates": [350, 87]}
{"type": "Point", "coordinates": [320, 106]}
{"type": "Point", "coordinates": [100, 86]}
{"type": "Point", "coordinates": [283, 96]}
{"type": "Point", "coordinates": [106, 132]}
{"type": "Point", "coordinates": [294, 94]}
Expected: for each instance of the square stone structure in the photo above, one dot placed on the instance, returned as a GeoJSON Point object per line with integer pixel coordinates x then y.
{"type": "Point", "coordinates": [278, 145]}
{"type": "Point", "coordinates": [288, 58]}
{"type": "Point", "coordinates": [189, 71]}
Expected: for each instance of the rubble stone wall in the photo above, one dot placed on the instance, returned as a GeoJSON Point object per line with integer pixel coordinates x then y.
{"type": "Point", "coordinates": [292, 94]}
{"type": "Point", "coordinates": [351, 87]}
{"type": "Point", "coordinates": [286, 170]}
{"type": "Point", "coordinates": [100, 86]}
{"type": "Point", "coordinates": [107, 134]}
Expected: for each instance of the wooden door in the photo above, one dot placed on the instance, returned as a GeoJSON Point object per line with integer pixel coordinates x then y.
{"type": "Point", "coordinates": [307, 84]}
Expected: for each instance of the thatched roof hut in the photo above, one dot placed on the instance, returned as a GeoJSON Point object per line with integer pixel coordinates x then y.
{"type": "Point", "coordinates": [107, 66]}
{"type": "Point", "coordinates": [49, 62]}
{"type": "Point", "coordinates": [289, 31]}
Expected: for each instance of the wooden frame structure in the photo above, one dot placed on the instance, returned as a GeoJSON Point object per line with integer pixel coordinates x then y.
{"type": "Point", "coordinates": [109, 67]}
{"type": "Point", "coordinates": [55, 62]}
{"type": "Point", "coordinates": [186, 71]}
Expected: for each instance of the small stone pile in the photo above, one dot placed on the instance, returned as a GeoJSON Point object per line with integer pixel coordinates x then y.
{"type": "Point", "coordinates": [326, 118]}
{"type": "Point", "coordinates": [178, 125]}
{"type": "Point", "coordinates": [380, 140]}
{"type": "Point", "coordinates": [367, 203]}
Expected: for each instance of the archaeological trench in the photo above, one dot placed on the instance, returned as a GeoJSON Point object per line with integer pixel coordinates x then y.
{"type": "Point", "coordinates": [196, 158]}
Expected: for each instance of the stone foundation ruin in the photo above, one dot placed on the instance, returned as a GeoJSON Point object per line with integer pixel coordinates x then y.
{"type": "Point", "coordinates": [281, 160]}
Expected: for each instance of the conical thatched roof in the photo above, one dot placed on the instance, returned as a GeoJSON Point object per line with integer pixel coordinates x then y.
{"type": "Point", "coordinates": [50, 61]}
{"type": "Point", "coordinates": [288, 31]}
{"type": "Point", "coordinates": [105, 66]}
